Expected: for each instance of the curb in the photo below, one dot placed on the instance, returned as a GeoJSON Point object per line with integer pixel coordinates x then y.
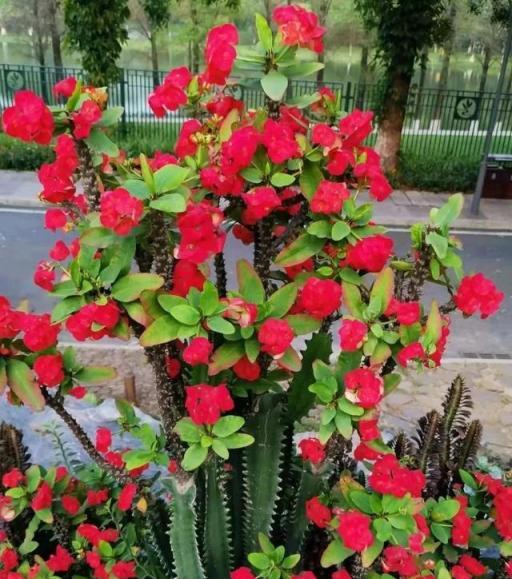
{"type": "Point", "coordinates": [10, 202]}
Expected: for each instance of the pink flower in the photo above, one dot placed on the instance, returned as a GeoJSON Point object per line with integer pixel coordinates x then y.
{"type": "Point", "coordinates": [352, 334]}
{"type": "Point", "coordinates": [364, 387]}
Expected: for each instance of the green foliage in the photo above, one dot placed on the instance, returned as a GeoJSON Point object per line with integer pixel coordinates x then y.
{"type": "Point", "coordinates": [96, 29]}
{"type": "Point", "coordinates": [157, 12]}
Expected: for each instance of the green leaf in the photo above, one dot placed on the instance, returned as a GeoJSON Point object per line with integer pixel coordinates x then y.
{"type": "Point", "coordinates": [340, 230]}
{"type": "Point", "coordinates": [252, 175]}
{"type": "Point", "coordinates": [310, 179]}
{"type": "Point", "coordinates": [301, 69]}
{"type": "Point", "coordinates": [259, 560]}
{"type": "Point", "coordinates": [249, 283]}
{"type": "Point", "coordinates": [21, 381]}
{"type": "Point", "coordinates": [343, 424]}
{"type": "Point", "coordinates": [66, 307]}
{"type": "Point", "coordinates": [302, 324]}
{"type": "Point", "coordinates": [370, 554]}
{"type": "Point", "coordinates": [172, 203]}
{"type": "Point", "coordinates": [349, 407]}
{"type": "Point", "coordinates": [506, 548]}
{"type": "Point", "coordinates": [335, 554]}
{"type": "Point", "coordinates": [170, 177]}
{"type": "Point", "coordinates": [220, 325]}
{"type": "Point", "coordinates": [264, 32]}
{"type": "Point", "coordinates": [227, 425]}
{"type": "Point", "coordinates": [220, 449]}
{"type": "Point", "coordinates": [186, 314]}
{"type": "Point", "coordinates": [448, 213]}
{"type": "Point", "coordinates": [441, 532]}
{"type": "Point", "coordinates": [169, 301]}
{"type": "Point", "coordinates": [382, 291]}
{"type": "Point", "coordinates": [98, 237]}
{"type": "Point", "coordinates": [188, 431]}
{"type": "Point", "coordinates": [274, 85]}
{"type": "Point", "coordinates": [352, 299]}
{"type": "Point", "coordinates": [194, 457]}
{"type": "Point", "coordinates": [433, 327]}
{"type": "Point", "coordinates": [129, 287]}
{"type": "Point", "coordinates": [100, 143]}
{"type": "Point", "coordinates": [96, 374]}
{"type": "Point", "coordinates": [445, 510]}
{"type": "Point", "coordinates": [137, 458]}
{"type": "Point", "coordinates": [238, 440]}
{"type": "Point", "coordinates": [468, 479]}
{"type": "Point", "coordinates": [282, 300]}
{"type": "Point", "coordinates": [290, 360]}
{"type": "Point", "coordinates": [137, 188]}
{"type": "Point", "coordinates": [282, 179]}
{"type": "Point", "coordinates": [320, 229]}
{"type": "Point", "coordinates": [110, 117]}
{"type": "Point", "coordinates": [299, 250]}
{"type": "Point", "coordinates": [303, 101]}
{"type": "Point", "coordinates": [209, 299]}
{"type": "Point", "coordinates": [438, 243]}
{"type": "Point", "coordinates": [225, 356]}
{"type": "Point", "coordinates": [44, 515]}
{"type": "Point", "coordinates": [162, 330]}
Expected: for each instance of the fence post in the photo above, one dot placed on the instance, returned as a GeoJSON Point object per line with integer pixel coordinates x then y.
{"type": "Point", "coordinates": [123, 102]}
{"type": "Point", "coordinates": [348, 96]}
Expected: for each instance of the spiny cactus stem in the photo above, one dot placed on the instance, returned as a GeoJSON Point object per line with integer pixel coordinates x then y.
{"type": "Point", "coordinates": [58, 407]}
{"type": "Point", "coordinates": [262, 250]}
{"type": "Point", "coordinates": [220, 271]}
{"type": "Point", "coordinates": [88, 175]}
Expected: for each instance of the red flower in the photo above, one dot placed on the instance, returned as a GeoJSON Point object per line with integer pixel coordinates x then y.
{"type": "Point", "coordinates": [49, 370]}
{"type": "Point", "coordinates": [67, 157]}
{"type": "Point", "coordinates": [299, 27]}
{"type": "Point", "coordinates": [368, 430]}
{"type": "Point", "coordinates": [477, 293]}
{"type": "Point", "coordinates": [318, 513]}
{"type": "Point", "coordinates": [329, 197]}
{"type": "Point", "coordinates": [304, 575]}
{"type": "Point", "coordinates": [461, 529]}
{"type": "Point", "coordinates": [61, 561]}
{"type": "Point", "coordinates": [294, 270]}
{"type": "Point", "coordinates": [57, 182]}
{"type": "Point", "coordinates": [364, 452]}
{"type": "Point", "coordinates": [380, 188]}
{"type": "Point", "coordinates": [352, 335]}
{"type": "Point", "coordinates": [198, 351]}
{"type": "Point", "coordinates": [241, 573]}
{"type": "Point", "coordinates": [29, 119]}
{"type": "Point", "coordinates": [124, 570]}
{"type": "Point", "coordinates": [55, 219]}
{"type": "Point", "coordinates": [186, 145]}
{"type": "Point", "coordinates": [407, 313]}
{"type": "Point", "coordinates": [40, 333]}
{"type": "Point", "coordinates": [339, 160]}
{"type": "Point", "coordinates": [94, 535]}
{"type": "Point", "coordinates": [84, 119]}
{"type": "Point", "coordinates": [355, 127]}
{"type": "Point", "coordinates": [65, 87]}
{"type": "Point", "coordinates": [103, 318]}
{"type": "Point", "coordinates": [43, 497]}
{"type": "Point", "coordinates": [320, 297]}
{"type": "Point", "coordinates": [125, 500]}
{"type": "Point", "coordinates": [364, 387]}
{"type": "Point", "coordinates": [186, 276]}
{"type": "Point", "coordinates": [171, 94]}
{"type": "Point", "coordinates": [323, 135]}
{"type": "Point", "coordinates": [458, 572]}
{"type": "Point", "coordinates": [59, 251]}
{"type": "Point", "coordinates": [279, 139]}
{"type": "Point", "coordinates": [312, 450]}
{"type": "Point", "coordinates": [247, 370]}
{"type": "Point", "coordinates": [275, 336]}
{"type": "Point", "coordinates": [341, 574]}
{"type": "Point", "coordinates": [472, 565]}
{"type": "Point", "coordinates": [222, 105]}
{"type": "Point", "coordinates": [260, 201]}
{"type": "Point", "coordinates": [238, 310]}
{"type": "Point", "coordinates": [354, 530]}
{"type": "Point", "coordinates": [44, 275]}
{"type": "Point", "coordinates": [201, 232]}
{"type": "Point", "coordinates": [390, 478]}
{"type": "Point", "coordinates": [173, 367]}
{"type": "Point", "coordinates": [120, 211]}
{"type": "Point", "coordinates": [13, 478]}
{"type": "Point", "coordinates": [413, 351]}
{"type": "Point", "coordinates": [205, 403]}
{"type": "Point", "coordinates": [220, 53]}
{"type": "Point", "coordinates": [70, 504]}
{"type": "Point", "coordinates": [396, 559]}
{"type": "Point", "coordinates": [9, 560]}
{"type": "Point", "coordinates": [95, 498]}
{"type": "Point", "coordinates": [503, 518]}
{"type": "Point", "coordinates": [370, 253]}
{"type": "Point", "coordinates": [213, 179]}
{"type": "Point", "coordinates": [160, 160]}
{"type": "Point", "coordinates": [237, 152]}
{"type": "Point", "coordinates": [103, 439]}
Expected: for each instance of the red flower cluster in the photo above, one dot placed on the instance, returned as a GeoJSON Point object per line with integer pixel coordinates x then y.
{"type": "Point", "coordinates": [364, 387]}
{"type": "Point", "coordinates": [40, 333]}
{"type": "Point", "coordinates": [275, 337]}
{"type": "Point", "coordinates": [397, 559]}
{"type": "Point", "coordinates": [370, 253]}
{"type": "Point", "coordinates": [186, 145]}
{"type": "Point", "coordinates": [213, 179]}
{"type": "Point", "coordinates": [57, 177]}
{"type": "Point", "coordinates": [247, 370]}
{"type": "Point", "coordinates": [461, 530]}
{"type": "Point", "coordinates": [43, 497]}
{"type": "Point", "coordinates": [390, 478]}
{"type": "Point", "coordinates": [242, 573]}
{"type": "Point", "coordinates": [320, 297]}
{"type": "Point", "coordinates": [237, 152]}
{"type": "Point", "coordinates": [205, 403]}
{"type": "Point", "coordinates": [60, 561]}
{"type": "Point", "coordinates": [13, 478]}
{"type": "Point", "coordinates": [318, 513]}
{"type": "Point", "coordinates": [477, 293]}
{"type": "Point", "coordinates": [186, 276]}
{"type": "Point", "coordinates": [161, 159]}
{"type": "Point", "coordinates": [29, 119]}
{"type": "Point", "coordinates": [299, 27]}
{"type": "Point", "coordinates": [329, 197]}
{"type": "Point", "coordinates": [49, 370]}
{"type": "Point", "coordinates": [354, 530]}
{"type": "Point", "coordinates": [84, 119]}
{"type": "Point", "coordinates": [93, 321]}
{"type": "Point", "coordinates": [312, 450]}
{"type": "Point", "coordinates": [198, 351]}
{"type": "Point", "coordinates": [260, 201]}
{"type": "Point", "coordinates": [44, 275]}
{"type": "Point", "coordinates": [171, 94]}
{"type": "Point", "coordinates": [65, 87]}
{"type": "Point", "coordinates": [120, 211]}
{"type": "Point", "coordinates": [279, 139]}
{"type": "Point", "coordinates": [201, 232]}
{"type": "Point", "coordinates": [407, 313]}
{"type": "Point", "coordinates": [220, 53]}
{"type": "Point", "coordinates": [414, 351]}
{"type": "Point", "coordinates": [352, 334]}
{"type": "Point", "coordinates": [238, 310]}
{"type": "Point", "coordinates": [103, 439]}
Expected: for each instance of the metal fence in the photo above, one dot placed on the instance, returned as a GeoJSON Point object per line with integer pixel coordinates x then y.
{"type": "Point", "coordinates": [438, 123]}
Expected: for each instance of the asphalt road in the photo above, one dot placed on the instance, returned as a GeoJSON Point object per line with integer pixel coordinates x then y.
{"type": "Point", "coordinates": [24, 242]}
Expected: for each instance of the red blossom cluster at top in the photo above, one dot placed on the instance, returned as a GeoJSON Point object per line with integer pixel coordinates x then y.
{"type": "Point", "coordinates": [299, 27]}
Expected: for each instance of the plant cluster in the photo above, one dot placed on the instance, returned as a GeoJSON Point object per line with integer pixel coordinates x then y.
{"type": "Point", "coordinates": [233, 485]}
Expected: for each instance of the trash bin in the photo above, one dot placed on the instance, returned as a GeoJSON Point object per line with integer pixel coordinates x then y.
{"type": "Point", "coordinates": [498, 177]}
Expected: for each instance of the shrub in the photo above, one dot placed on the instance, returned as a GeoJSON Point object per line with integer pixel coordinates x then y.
{"type": "Point", "coordinates": [20, 156]}
{"type": "Point", "coordinates": [222, 489]}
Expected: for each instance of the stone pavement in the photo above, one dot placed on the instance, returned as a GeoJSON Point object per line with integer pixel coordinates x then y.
{"type": "Point", "coordinates": [20, 189]}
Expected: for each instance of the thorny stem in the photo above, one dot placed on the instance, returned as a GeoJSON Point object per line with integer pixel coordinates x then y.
{"type": "Point", "coordinates": [57, 406]}
{"type": "Point", "coordinates": [262, 250]}
{"type": "Point", "coordinates": [160, 248]}
{"type": "Point", "coordinates": [88, 175]}
{"type": "Point", "coordinates": [220, 271]}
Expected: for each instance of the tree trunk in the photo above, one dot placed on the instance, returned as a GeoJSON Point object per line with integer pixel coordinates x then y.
{"type": "Point", "coordinates": [323, 11]}
{"type": "Point", "coordinates": [445, 68]}
{"type": "Point", "coordinates": [154, 58]}
{"type": "Point", "coordinates": [392, 118]}
{"type": "Point", "coordinates": [320, 73]}
{"type": "Point", "coordinates": [196, 54]}
{"type": "Point", "coordinates": [363, 77]}
{"type": "Point", "coordinates": [421, 83]}
{"type": "Point", "coordinates": [38, 42]}
{"type": "Point", "coordinates": [54, 33]}
{"type": "Point", "coordinates": [485, 67]}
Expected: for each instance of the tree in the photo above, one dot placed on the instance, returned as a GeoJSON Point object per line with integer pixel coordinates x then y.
{"type": "Point", "coordinates": [96, 29]}
{"type": "Point", "coordinates": [322, 8]}
{"type": "Point", "coordinates": [448, 46]}
{"type": "Point", "coordinates": [53, 25]}
{"type": "Point", "coordinates": [403, 28]}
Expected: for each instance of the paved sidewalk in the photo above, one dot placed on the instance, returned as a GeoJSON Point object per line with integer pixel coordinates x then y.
{"type": "Point", "coordinates": [20, 189]}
